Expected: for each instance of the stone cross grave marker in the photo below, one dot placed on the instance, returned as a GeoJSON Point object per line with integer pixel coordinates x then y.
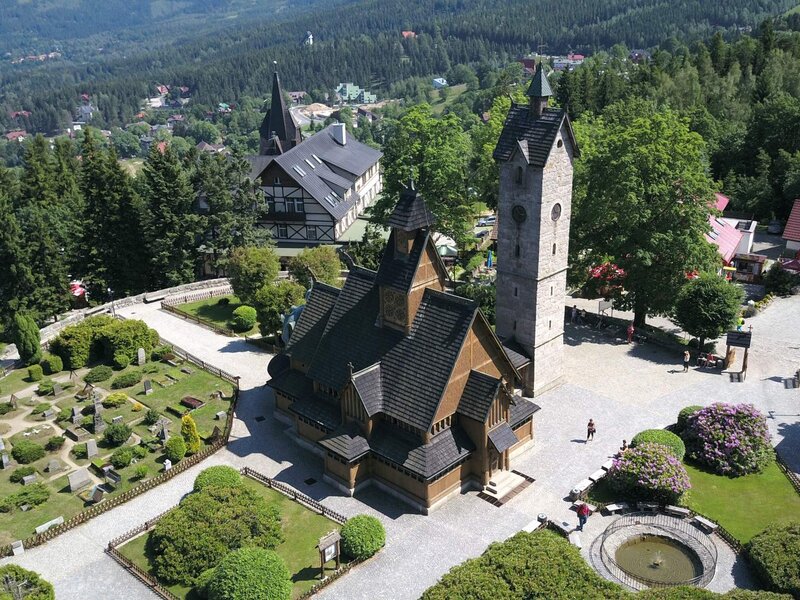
{"type": "Point", "coordinates": [148, 387]}
{"type": "Point", "coordinates": [140, 357]}
{"type": "Point", "coordinates": [91, 448]}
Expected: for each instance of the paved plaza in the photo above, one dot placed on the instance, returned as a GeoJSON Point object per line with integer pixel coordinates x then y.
{"type": "Point", "coordinates": [623, 388]}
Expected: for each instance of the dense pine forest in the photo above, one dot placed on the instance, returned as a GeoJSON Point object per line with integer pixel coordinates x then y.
{"type": "Point", "coordinates": [358, 42]}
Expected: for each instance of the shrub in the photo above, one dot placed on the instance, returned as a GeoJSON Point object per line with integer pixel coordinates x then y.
{"type": "Point", "coordinates": [731, 439]}
{"type": "Point", "coordinates": [25, 452]}
{"type": "Point", "coordinates": [40, 408]}
{"type": "Point", "coordinates": [116, 434]}
{"type": "Point", "coordinates": [64, 415]}
{"type": "Point", "coordinates": [152, 416]}
{"type": "Point", "coordinates": [35, 587]}
{"type": "Point", "coordinates": [98, 374]}
{"type": "Point", "coordinates": [126, 380]}
{"type": "Point", "coordinates": [126, 337]}
{"type": "Point", "coordinates": [78, 344]}
{"type": "Point", "coordinates": [159, 351]}
{"type": "Point", "coordinates": [779, 281]}
{"type": "Point", "coordinates": [663, 437]}
{"type": "Point", "coordinates": [362, 536]}
{"type": "Point", "coordinates": [151, 368]}
{"type": "Point", "coordinates": [35, 373]}
{"type": "Point", "coordinates": [115, 400]}
{"type": "Point", "coordinates": [55, 443]}
{"type": "Point", "coordinates": [137, 407]}
{"type": "Point", "coordinates": [774, 554]}
{"type": "Point", "coordinates": [208, 524]}
{"type": "Point", "coordinates": [52, 364]}
{"type": "Point", "coordinates": [79, 451]}
{"type": "Point", "coordinates": [140, 472]}
{"type": "Point", "coordinates": [45, 387]}
{"type": "Point", "coordinates": [201, 583]}
{"type": "Point", "coordinates": [5, 408]}
{"type": "Point", "coordinates": [219, 476]}
{"type": "Point", "coordinates": [685, 592]}
{"type": "Point", "coordinates": [122, 457]}
{"type": "Point", "coordinates": [33, 494]}
{"type": "Point", "coordinates": [250, 573]}
{"type": "Point", "coordinates": [175, 449]}
{"type": "Point", "coordinates": [139, 452]}
{"type": "Point", "coordinates": [244, 318]}
{"type": "Point", "coordinates": [190, 435]}
{"type": "Point", "coordinates": [121, 360]}
{"type": "Point", "coordinates": [224, 301]}
{"type": "Point", "coordinates": [684, 414]}
{"type": "Point", "coordinates": [25, 334]}
{"type": "Point", "coordinates": [20, 472]}
{"type": "Point", "coordinates": [650, 472]}
{"type": "Point", "coordinates": [249, 268]}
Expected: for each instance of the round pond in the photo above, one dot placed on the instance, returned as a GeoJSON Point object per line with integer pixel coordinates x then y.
{"type": "Point", "coordinates": [657, 559]}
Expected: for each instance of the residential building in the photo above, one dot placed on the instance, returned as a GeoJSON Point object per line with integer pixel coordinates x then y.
{"type": "Point", "coordinates": [791, 232]}
{"type": "Point", "coordinates": [349, 92]}
{"type": "Point", "coordinates": [396, 383]}
{"type": "Point", "coordinates": [16, 136]}
{"type": "Point", "coordinates": [439, 83]}
{"type": "Point", "coordinates": [733, 238]}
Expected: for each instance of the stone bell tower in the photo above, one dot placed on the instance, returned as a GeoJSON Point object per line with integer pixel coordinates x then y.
{"type": "Point", "coordinates": [535, 154]}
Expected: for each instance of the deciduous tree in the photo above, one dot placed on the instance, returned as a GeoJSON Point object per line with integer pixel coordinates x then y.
{"type": "Point", "coordinates": [251, 268]}
{"type": "Point", "coordinates": [708, 306]}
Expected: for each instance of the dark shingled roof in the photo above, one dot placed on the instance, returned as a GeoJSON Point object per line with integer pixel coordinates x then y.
{"type": "Point", "coordinates": [411, 212]}
{"type": "Point", "coordinates": [346, 442]}
{"type": "Point", "coordinates": [502, 437]}
{"type": "Point", "coordinates": [540, 87]}
{"type": "Point", "coordinates": [427, 460]}
{"type": "Point", "coordinates": [309, 327]}
{"type": "Point", "coordinates": [521, 410]}
{"type": "Point", "coordinates": [369, 388]}
{"type": "Point", "coordinates": [516, 354]}
{"type": "Point", "coordinates": [278, 123]}
{"type": "Point", "coordinates": [538, 132]}
{"type": "Point", "coordinates": [397, 270]}
{"type": "Point", "coordinates": [416, 370]}
{"type": "Point", "coordinates": [293, 384]}
{"type": "Point", "coordinates": [318, 410]}
{"type": "Point", "coordinates": [478, 395]}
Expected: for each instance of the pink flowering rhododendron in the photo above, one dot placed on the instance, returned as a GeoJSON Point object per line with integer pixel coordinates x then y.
{"type": "Point", "coordinates": [607, 272]}
{"type": "Point", "coordinates": [731, 439]}
{"type": "Point", "coordinates": [649, 471]}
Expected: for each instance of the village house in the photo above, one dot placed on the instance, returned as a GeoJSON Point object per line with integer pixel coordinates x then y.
{"type": "Point", "coordinates": [16, 136]}
{"type": "Point", "coordinates": [733, 238]}
{"type": "Point", "coordinates": [791, 232]}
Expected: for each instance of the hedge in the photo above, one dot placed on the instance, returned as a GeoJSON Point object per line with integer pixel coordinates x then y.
{"type": "Point", "coordinates": [52, 364]}
{"type": "Point", "coordinates": [124, 338]}
{"type": "Point", "coordinates": [98, 374]}
{"type": "Point", "coordinates": [244, 318]}
{"type": "Point", "coordinates": [25, 452]}
{"type": "Point", "coordinates": [35, 373]}
{"type": "Point", "coordinates": [663, 437]}
{"type": "Point", "coordinates": [35, 587]}
{"type": "Point", "coordinates": [774, 555]}
{"type": "Point", "coordinates": [126, 380]}
{"type": "Point", "coordinates": [218, 476]}
{"type": "Point", "coordinates": [78, 344]}
{"type": "Point", "coordinates": [250, 573]}
{"type": "Point", "coordinates": [362, 536]}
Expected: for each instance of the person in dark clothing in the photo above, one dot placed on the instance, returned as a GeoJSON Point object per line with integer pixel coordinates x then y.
{"type": "Point", "coordinates": [590, 429]}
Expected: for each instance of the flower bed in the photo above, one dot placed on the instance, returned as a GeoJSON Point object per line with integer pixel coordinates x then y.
{"type": "Point", "coordinates": [649, 471]}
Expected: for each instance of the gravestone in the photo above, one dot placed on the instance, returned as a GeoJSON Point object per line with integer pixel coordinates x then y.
{"type": "Point", "coordinates": [99, 423]}
{"type": "Point", "coordinates": [167, 464]}
{"type": "Point", "coordinates": [4, 460]}
{"type": "Point", "coordinates": [2, 444]}
{"type": "Point", "coordinates": [148, 387]}
{"type": "Point", "coordinates": [163, 434]}
{"type": "Point", "coordinates": [187, 370]}
{"type": "Point", "coordinates": [77, 416]}
{"type": "Point", "coordinates": [79, 479]}
{"type": "Point", "coordinates": [45, 526]}
{"type": "Point", "coordinates": [13, 402]}
{"type": "Point", "coordinates": [220, 416]}
{"type": "Point", "coordinates": [91, 448]}
{"type": "Point", "coordinates": [17, 548]}
{"type": "Point", "coordinates": [57, 389]}
{"type": "Point", "coordinates": [49, 414]}
{"type": "Point", "coordinates": [140, 357]}
{"type": "Point", "coordinates": [53, 466]}
{"type": "Point", "coordinates": [29, 479]}
{"type": "Point", "coordinates": [117, 419]}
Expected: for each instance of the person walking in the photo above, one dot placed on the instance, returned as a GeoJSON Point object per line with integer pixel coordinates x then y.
{"type": "Point", "coordinates": [631, 329]}
{"type": "Point", "coordinates": [583, 515]}
{"type": "Point", "coordinates": [686, 358]}
{"type": "Point", "coordinates": [574, 315]}
{"type": "Point", "coordinates": [590, 429]}
{"type": "Point", "coordinates": [740, 324]}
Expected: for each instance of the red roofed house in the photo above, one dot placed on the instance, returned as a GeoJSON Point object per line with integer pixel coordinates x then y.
{"type": "Point", "coordinates": [408, 34]}
{"type": "Point", "coordinates": [16, 136]}
{"type": "Point", "coordinates": [792, 231]}
{"type": "Point", "coordinates": [724, 235]}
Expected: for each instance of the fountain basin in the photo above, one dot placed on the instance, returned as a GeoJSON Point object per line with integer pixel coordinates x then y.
{"type": "Point", "coordinates": [657, 559]}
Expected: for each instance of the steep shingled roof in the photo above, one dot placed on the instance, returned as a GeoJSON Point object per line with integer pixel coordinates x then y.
{"type": "Point", "coordinates": [311, 324]}
{"type": "Point", "coordinates": [792, 230]}
{"type": "Point", "coordinates": [411, 212]}
{"type": "Point", "coordinates": [397, 270]}
{"type": "Point", "coordinates": [540, 87]}
{"type": "Point", "coordinates": [369, 386]}
{"type": "Point", "coordinates": [479, 393]}
{"type": "Point", "coordinates": [278, 123]}
{"type": "Point", "coordinates": [539, 132]}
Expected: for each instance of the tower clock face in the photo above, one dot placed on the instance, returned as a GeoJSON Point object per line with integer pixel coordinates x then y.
{"type": "Point", "coordinates": [555, 214]}
{"type": "Point", "coordinates": [518, 213]}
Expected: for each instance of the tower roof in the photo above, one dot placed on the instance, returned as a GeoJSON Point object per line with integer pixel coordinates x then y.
{"type": "Point", "coordinates": [411, 212]}
{"type": "Point", "coordinates": [540, 87]}
{"type": "Point", "coordinates": [278, 125]}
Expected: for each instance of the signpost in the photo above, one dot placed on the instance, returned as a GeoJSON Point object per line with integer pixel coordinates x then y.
{"type": "Point", "coordinates": [328, 550]}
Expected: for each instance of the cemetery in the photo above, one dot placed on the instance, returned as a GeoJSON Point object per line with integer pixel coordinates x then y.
{"type": "Point", "coordinates": [66, 444]}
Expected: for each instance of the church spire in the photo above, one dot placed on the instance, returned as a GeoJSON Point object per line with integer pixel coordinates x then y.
{"type": "Point", "coordinates": [278, 131]}
{"type": "Point", "coordinates": [539, 91]}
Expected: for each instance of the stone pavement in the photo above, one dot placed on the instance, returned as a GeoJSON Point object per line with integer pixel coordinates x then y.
{"type": "Point", "coordinates": [623, 388]}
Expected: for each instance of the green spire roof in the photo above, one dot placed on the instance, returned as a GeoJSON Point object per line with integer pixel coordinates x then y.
{"type": "Point", "coordinates": [540, 87]}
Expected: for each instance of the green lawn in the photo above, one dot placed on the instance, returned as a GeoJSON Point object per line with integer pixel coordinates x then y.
{"type": "Point", "coordinates": [744, 505]}
{"type": "Point", "coordinates": [212, 311]}
{"type": "Point", "coordinates": [302, 529]}
{"type": "Point", "coordinates": [14, 382]}
{"type": "Point", "coordinates": [454, 91]}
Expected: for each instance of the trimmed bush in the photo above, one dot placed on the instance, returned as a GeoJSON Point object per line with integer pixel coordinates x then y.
{"type": "Point", "coordinates": [139, 452]}
{"type": "Point", "coordinates": [244, 318]}
{"type": "Point", "coordinates": [79, 451]}
{"type": "Point", "coordinates": [35, 588]}
{"type": "Point", "coordinates": [35, 373]}
{"type": "Point", "coordinates": [55, 443]}
{"type": "Point", "coordinates": [190, 435]}
{"type": "Point", "coordinates": [731, 439]}
{"type": "Point", "coordinates": [362, 536]}
{"type": "Point", "coordinates": [152, 416]}
{"type": "Point", "coordinates": [140, 472]}
{"type": "Point", "coordinates": [116, 434]}
{"type": "Point", "coordinates": [25, 452]}
{"type": "Point", "coordinates": [685, 592]}
{"type": "Point", "coordinates": [663, 437]}
{"type": "Point", "coordinates": [98, 374]}
{"type": "Point", "coordinates": [20, 472]}
{"type": "Point", "coordinates": [122, 457]}
{"type": "Point", "coordinates": [5, 408]}
{"type": "Point", "coordinates": [115, 400]}
{"type": "Point", "coordinates": [159, 351]}
{"type": "Point", "coordinates": [25, 333]}
{"type": "Point", "coordinates": [45, 387]}
{"type": "Point", "coordinates": [649, 472]}
{"type": "Point", "coordinates": [250, 573]}
{"type": "Point", "coordinates": [684, 415]}
{"type": "Point", "coordinates": [774, 553]}
{"type": "Point", "coordinates": [219, 476]}
{"type": "Point", "coordinates": [40, 408]}
{"type": "Point", "coordinates": [126, 380]}
{"type": "Point", "coordinates": [175, 449]}
{"type": "Point", "coordinates": [206, 526]}
{"type": "Point", "coordinates": [52, 364]}
{"type": "Point", "coordinates": [78, 344]}
{"type": "Point", "coordinates": [121, 360]}
{"type": "Point", "coordinates": [33, 494]}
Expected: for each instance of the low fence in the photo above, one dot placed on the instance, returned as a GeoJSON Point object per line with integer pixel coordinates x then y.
{"type": "Point", "coordinates": [172, 300]}
{"type": "Point", "coordinates": [198, 321]}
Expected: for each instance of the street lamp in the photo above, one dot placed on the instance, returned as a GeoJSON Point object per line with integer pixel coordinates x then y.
{"type": "Point", "coordinates": [111, 295]}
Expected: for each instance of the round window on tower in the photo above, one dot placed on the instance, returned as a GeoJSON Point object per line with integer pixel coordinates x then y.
{"type": "Point", "coordinates": [555, 214]}
{"type": "Point", "coordinates": [518, 213]}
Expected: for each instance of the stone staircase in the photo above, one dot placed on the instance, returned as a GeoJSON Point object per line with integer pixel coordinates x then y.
{"type": "Point", "coordinates": [504, 486]}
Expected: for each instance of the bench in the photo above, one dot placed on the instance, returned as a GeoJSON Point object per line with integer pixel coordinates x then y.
{"type": "Point", "coordinates": [648, 506]}
{"type": "Point", "coordinates": [705, 524]}
{"type": "Point", "coordinates": [563, 527]}
{"type": "Point", "coordinates": [579, 488]}
{"type": "Point", "coordinates": [618, 507]}
{"type": "Point", "coordinates": [97, 310]}
{"type": "Point", "coordinates": [677, 511]}
{"type": "Point", "coordinates": [607, 465]}
{"type": "Point", "coordinates": [154, 297]}
{"type": "Point", "coordinates": [576, 505]}
{"type": "Point", "coordinates": [598, 475]}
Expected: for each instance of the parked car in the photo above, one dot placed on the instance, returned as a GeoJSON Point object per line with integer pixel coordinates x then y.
{"type": "Point", "coordinates": [486, 221]}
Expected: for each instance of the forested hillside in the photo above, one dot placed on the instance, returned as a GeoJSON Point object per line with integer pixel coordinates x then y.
{"type": "Point", "coordinates": [361, 42]}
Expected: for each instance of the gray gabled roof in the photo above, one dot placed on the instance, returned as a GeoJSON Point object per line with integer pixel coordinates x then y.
{"type": "Point", "coordinates": [397, 270]}
{"type": "Point", "coordinates": [370, 389]}
{"type": "Point", "coordinates": [411, 212]}
{"type": "Point", "coordinates": [502, 437]}
{"type": "Point", "coordinates": [538, 133]}
{"type": "Point", "coordinates": [521, 410]}
{"type": "Point", "coordinates": [478, 395]}
{"type": "Point", "coordinates": [346, 442]}
{"type": "Point", "coordinates": [308, 330]}
{"type": "Point", "coordinates": [540, 87]}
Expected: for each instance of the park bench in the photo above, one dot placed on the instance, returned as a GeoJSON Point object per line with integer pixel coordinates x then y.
{"type": "Point", "coordinates": [562, 526]}
{"type": "Point", "coordinates": [618, 507]}
{"type": "Point", "coordinates": [580, 488]}
{"type": "Point", "coordinates": [154, 297]}
{"type": "Point", "coordinates": [677, 511]}
{"type": "Point", "coordinates": [648, 506]}
{"type": "Point", "coordinates": [597, 475]}
{"type": "Point", "coordinates": [607, 465]}
{"type": "Point", "coordinates": [705, 524]}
